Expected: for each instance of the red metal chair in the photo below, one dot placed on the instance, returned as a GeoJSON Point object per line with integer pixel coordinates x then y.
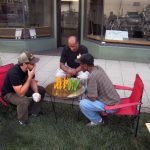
{"type": "Point", "coordinates": [3, 71]}
{"type": "Point", "coordinates": [131, 105]}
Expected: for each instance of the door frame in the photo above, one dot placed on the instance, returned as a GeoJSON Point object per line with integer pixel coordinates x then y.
{"type": "Point", "coordinates": [59, 23]}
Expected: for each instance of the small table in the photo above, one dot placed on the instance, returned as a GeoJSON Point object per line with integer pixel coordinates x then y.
{"type": "Point", "coordinates": [63, 94]}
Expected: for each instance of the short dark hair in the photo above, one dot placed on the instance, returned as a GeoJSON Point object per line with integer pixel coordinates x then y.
{"type": "Point", "coordinates": [86, 59]}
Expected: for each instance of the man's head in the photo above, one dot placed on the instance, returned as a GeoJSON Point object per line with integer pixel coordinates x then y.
{"type": "Point", "coordinates": [86, 61]}
{"type": "Point", "coordinates": [73, 43]}
{"type": "Point", "coordinates": [28, 60]}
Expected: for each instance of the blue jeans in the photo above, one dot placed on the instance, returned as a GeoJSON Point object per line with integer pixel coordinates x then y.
{"type": "Point", "coordinates": [91, 109]}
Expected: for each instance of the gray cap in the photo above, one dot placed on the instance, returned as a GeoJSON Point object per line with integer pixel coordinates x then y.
{"type": "Point", "coordinates": [27, 57]}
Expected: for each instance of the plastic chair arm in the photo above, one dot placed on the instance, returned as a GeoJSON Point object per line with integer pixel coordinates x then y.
{"type": "Point", "coordinates": [121, 106]}
{"type": "Point", "coordinates": [123, 87]}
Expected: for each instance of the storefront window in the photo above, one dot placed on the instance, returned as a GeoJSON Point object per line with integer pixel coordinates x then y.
{"type": "Point", "coordinates": [11, 14]}
{"type": "Point", "coordinates": [93, 19]}
{"type": "Point", "coordinates": [123, 21]}
{"type": "Point", "coordinates": [33, 17]}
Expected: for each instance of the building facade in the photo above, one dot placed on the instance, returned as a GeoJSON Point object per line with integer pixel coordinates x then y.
{"type": "Point", "coordinates": [117, 29]}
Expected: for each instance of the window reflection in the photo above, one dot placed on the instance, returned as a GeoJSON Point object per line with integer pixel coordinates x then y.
{"type": "Point", "coordinates": [94, 14]}
{"type": "Point", "coordinates": [11, 13]}
{"type": "Point", "coordinates": [127, 19]}
{"type": "Point", "coordinates": [128, 16]}
{"type": "Point", "coordinates": [26, 14]}
{"type": "Point", "coordinates": [69, 19]}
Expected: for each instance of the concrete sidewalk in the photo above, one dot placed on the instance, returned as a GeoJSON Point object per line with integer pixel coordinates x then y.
{"type": "Point", "coordinates": [120, 72]}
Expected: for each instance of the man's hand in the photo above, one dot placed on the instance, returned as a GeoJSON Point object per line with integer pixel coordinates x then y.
{"type": "Point", "coordinates": [22, 89]}
{"type": "Point", "coordinates": [91, 97]}
{"type": "Point", "coordinates": [31, 73]}
{"type": "Point", "coordinates": [71, 72]}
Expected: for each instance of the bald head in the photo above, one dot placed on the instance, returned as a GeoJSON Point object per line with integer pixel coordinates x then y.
{"type": "Point", "coordinates": [72, 39]}
{"type": "Point", "coordinates": [73, 43]}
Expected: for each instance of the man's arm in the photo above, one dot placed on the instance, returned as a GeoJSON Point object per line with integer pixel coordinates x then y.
{"type": "Point", "coordinates": [92, 91]}
{"type": "Point", "coordinates": [78, 69]}
{"type": "Point", "coordinates": [66, 69]}
{"type": "Point", "coordinates": [22, 89]}
{"type": "Point", "coordinates": [63, 67]}
{"type": "Point", "coordinates": [34, 85]}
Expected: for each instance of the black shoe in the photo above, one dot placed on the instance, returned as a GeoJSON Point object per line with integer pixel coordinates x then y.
{"type": "Point", "coordinates": [37, 115]}
{"type": "Point", "coordinates": [22, 122]}
{"type": "Point", "coordinates": [41, 113]}
{"type": "Point", "coordinates": [105, 120]}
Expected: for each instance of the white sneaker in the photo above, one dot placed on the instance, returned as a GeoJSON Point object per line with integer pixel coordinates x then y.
{"type": "Point", "coordinates": [90, 124]}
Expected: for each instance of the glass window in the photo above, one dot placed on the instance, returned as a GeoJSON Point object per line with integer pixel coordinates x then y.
{"type": "Point", "coordinates": [33, 16]}
{"type": "Point", "coordinates": [69, 19]}
{"type": "Point", "coordinates": [39, 16]}
{"type": "Point", "coordinates": [11, 13]}
{"type": "Point", "coordinates": [93, 19]}
{"type": "Point", "coordinates": [122, 21]}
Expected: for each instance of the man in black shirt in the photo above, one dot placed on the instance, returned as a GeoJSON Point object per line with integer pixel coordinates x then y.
{"type": "Point", "coordinates": [20, 84]}
{"type": "Point", "coordinates": [68, 66]}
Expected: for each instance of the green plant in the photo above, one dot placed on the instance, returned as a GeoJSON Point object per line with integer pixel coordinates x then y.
{"type": "Point", "coordinates": [73, 84]}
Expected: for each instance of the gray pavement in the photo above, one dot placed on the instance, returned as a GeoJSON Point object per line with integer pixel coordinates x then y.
{"type": "Point", "coordinates": [120, 72]}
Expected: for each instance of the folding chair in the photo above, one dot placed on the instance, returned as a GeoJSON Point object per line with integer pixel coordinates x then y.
{"type": "Point", "coordinates": [3, 72]}
{"type": "Point", "coordinates": [131, 105]}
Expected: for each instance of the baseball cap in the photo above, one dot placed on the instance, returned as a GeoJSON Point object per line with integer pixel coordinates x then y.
{"type": "Point", "coordinates": [86, 59]}
{"type": "Point", "coordinates": [27, 57]}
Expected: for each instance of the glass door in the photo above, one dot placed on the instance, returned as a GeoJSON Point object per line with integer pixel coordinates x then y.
{"type": "Point", "coordinates": [68, 20]}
